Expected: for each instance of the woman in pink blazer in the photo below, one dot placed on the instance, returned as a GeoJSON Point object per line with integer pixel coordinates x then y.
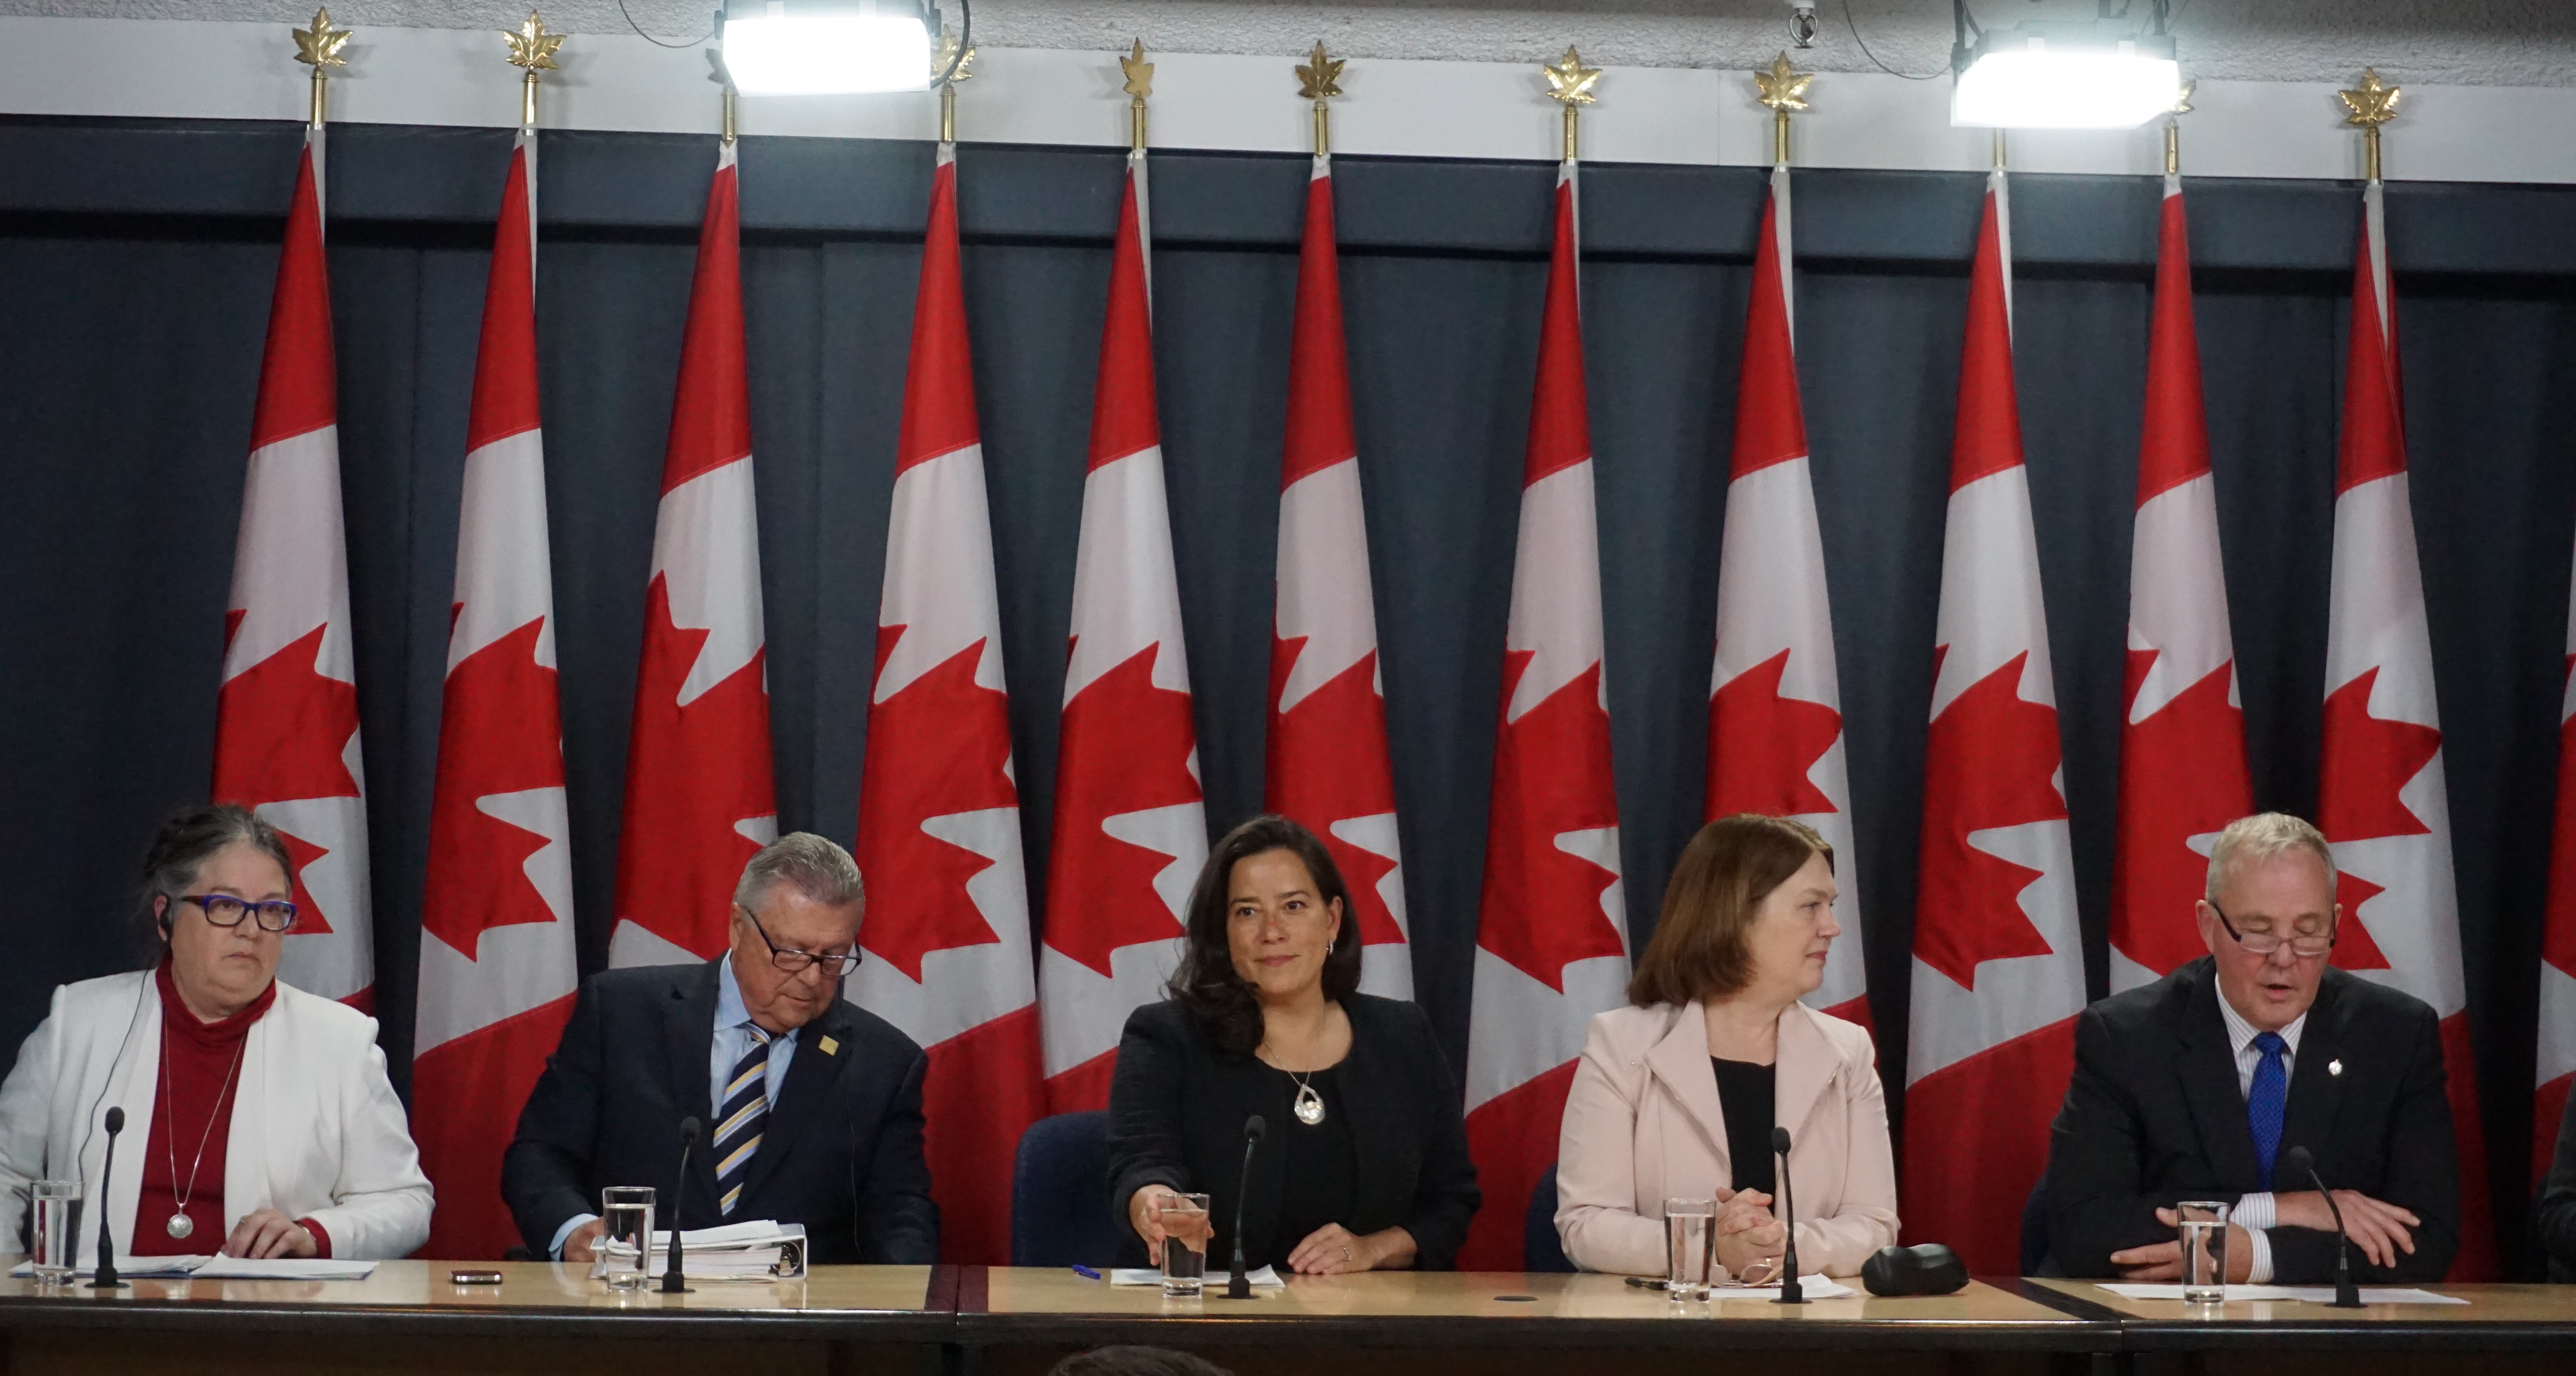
{"type": "Point", "coordinates": [1676, 1097]}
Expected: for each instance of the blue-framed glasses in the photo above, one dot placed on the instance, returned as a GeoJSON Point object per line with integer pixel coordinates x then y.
{"type": "Point", "coordinates": [224, 910]}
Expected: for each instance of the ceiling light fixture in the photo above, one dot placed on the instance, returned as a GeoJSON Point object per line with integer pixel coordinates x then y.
{"type": "Point", "coordinates": [2076, 75]}
{"type": "Point", "coordinates": [828, 47]}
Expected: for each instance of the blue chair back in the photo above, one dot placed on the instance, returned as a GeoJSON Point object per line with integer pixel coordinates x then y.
{"type": "Point", "coordinates": [1540, 1248]}
{"type": "Point", "coordinates": [1060, 1193]}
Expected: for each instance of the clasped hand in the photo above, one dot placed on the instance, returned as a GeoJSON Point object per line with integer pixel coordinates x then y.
{"type": "Point", "coordinates": [1750, 1241]}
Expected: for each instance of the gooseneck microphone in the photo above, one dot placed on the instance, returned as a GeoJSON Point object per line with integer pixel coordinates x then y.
{"type": "Point", "coordinates": [1239, 1287]}
{"type": "Point", "coordinates": [674, 1279]}
{"type": "Point", "coordinates": [1789, 1291]}
{"type": "Point", "coordinates": [2347, 1294]}
{"type": "Point", "coordinates": [105, 1277]}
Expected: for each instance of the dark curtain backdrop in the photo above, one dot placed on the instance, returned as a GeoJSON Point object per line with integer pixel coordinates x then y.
{"type": "Point", "coordinates": [135, 266]}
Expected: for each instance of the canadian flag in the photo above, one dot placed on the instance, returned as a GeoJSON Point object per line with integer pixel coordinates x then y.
{"type": "Point", "coordinates": [1998, 969]}
{"type": "Point", "coordinates": [1775, 724]}
{"type": "Point", "coordinates": [496, 948]}
{"type": "Point", "coordinates": [286, 718]}
{"type": "Point", "coordinates": [1130, 825]}
{"type": "Point", "coordinates": [2381, 799]}
{"type": "Point", "coordinates": [1551, 931]}
{"type": "Point", "coordinates": [947, 927]}
{"type": "Point", "coordinates": [699, 797]}
{"type": "Point", "coordinates": [1328, 762]}
{"type": "Point", "coordinates": [2182, 744]}
{"type": "Point", "coordinates": [2557, 1063]}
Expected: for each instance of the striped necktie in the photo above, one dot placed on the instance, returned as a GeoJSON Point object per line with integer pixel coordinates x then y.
{"type": "Point", "coordinates": [740, 1121]}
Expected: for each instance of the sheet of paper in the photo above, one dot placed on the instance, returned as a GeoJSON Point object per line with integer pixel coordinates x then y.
{"type": "Point", "coordinates": [2310, 1294]}
{"type": "Point", "coordinates": [1809, 1287]}
{"type": "Point", "coordinates": [284, 1268]}
{"type": "Point", "coordinates": [147, 1268]}
{"type": "Point", "coordinates": [1150, 1275]}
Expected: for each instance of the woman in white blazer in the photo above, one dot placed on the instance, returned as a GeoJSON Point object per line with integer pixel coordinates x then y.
{"type": "Point", "coordinates": [1677, 1096]}
{"type": "Point", "coordinates": [258, 1119]}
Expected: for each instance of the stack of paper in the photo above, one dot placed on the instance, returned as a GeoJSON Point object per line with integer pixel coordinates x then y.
{"type": "Point", "coordinates": [1153, 1275]}
{"type": "Point", "coordinates": [1809, 1287]}
{"type": "Point", "coordinates": [139, 1268]}
{"type": "Point", "coordinates": [2309, 1294]}
{"type": "Point", "coordinates": [763, 1249]}
{"type": "Point", "coordinates": [228, 1268]}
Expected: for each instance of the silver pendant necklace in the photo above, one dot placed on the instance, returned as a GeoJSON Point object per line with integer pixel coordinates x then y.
{"type": "Point", "coordinates": [180, 1225]}
{"type": "Point", "coordinates": [1310, 1105]}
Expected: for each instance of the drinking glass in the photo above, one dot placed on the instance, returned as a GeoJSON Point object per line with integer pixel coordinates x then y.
{"type": "Point", "coordinates": [1690, 1245]}
{"type": "Point", "coordinates": [55, 1229]}
{"type": "Point", "coordinates": [1184, 1219]}
{"type": "Point", "coordinates": [2203, 1223]}
{"type": "Point", "coordinates": [626, 1215]}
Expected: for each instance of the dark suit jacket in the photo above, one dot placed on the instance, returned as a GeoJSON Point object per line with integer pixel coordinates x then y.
{"type": "Point", "coordinates": [841, 1153]}
{"type": "Point", "coordinates": [2555, 1217]}
{"type": "Point", "coordinates": [1176, 1111]}
{"type": "Point", "coordinates": [2153, 1116]}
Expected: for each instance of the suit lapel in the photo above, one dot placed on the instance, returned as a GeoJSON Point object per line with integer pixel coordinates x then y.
{"type": "Point", "coordinates": [1806, 1065]}
{"type": "Point", "coordinates": [2208, 1071]}
{"type": "Point", "coordinates": [1680, 1061]}
{"type": "Point", "coordinates": [2316, 1090]}
{"type": "Point", "coordinates": [811, 1074]}
{"type": "Point", "coordinates": [1370, 1117]}
{"type": "Point", "coordinates": [688, 1039]}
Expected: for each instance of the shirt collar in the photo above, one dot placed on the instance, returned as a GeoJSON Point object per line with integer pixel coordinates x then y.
{"type": "Point", "coordinates": [731, 1012]}
{"type": "Point", "coordinates": [2240, 1033]}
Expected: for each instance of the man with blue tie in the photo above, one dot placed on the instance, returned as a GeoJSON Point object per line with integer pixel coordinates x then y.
{"type": "Point", "coordinates": [2197, 1086]}
{"type": "Point", "coordinates": [812, 1105]}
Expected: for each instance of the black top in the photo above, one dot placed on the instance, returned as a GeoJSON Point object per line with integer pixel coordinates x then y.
{"type": "Point", "coordinates": [2154, 1116]}
{"type": "Point", "coordinates": [841, 1154]}
{"type": "Point", "coordinates": [1176, 1111]}
{"type": "Point", "coordinates": [1744, 1093]}
{"type": "Point", "coordinates": [1321, 1163]}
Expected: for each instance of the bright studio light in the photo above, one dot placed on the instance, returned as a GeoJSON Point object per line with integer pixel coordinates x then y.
{"type": "Point", "coordinates": [2023, 80]}
{"type": "Point", "coordinates": [837, 51]}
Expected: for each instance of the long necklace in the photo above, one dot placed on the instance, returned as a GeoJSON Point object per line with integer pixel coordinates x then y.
{"type": "Point", "coordinates": [1309, 1107]}
{"type": "Point", "coordinates": [180, 1225]}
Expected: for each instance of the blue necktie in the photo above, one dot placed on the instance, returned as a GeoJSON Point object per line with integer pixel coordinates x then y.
{"type": "Point", "coordinates": [744, 1115]}
{"type": "Point", "coordinates": [2265, 1100]}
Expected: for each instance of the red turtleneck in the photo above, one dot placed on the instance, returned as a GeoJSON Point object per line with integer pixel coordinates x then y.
{"type": "Point", "coordinates": [192, 1102]}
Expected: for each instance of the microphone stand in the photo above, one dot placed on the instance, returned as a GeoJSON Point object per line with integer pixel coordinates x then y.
{"type": "Point", "coordinates": [674, 1279]}
{"type": "Point", "coordinates": [1239, 1286]}
{"type": "Point", "coordinates": [1790, 1293]}
{"type": "Point", "coordinates": [2347, 1293]}
{"type": "Point", "coordinates": [104, 1278]}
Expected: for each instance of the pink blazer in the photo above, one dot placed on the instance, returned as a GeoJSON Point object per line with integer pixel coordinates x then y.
{"type": "Point", "coordinates": [1642, 1123]}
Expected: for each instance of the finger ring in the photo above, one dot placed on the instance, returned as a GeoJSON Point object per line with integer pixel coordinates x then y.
{"type": "Point", "coordinates": [1346, 1254]}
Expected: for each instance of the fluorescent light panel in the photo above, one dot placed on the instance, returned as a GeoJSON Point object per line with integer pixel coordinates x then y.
{"type": "Point", "coordinates": [827, 54]}
{"type": "Point", "coordinates": [2018, 83]}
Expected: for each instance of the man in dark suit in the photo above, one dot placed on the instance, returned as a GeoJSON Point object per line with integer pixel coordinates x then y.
{"type": "Point", "coordinates": [2196, 1087]}
{"type": "Point", "coordinates": [810, 1105]}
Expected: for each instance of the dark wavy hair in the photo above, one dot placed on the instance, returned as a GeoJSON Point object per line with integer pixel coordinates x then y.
{"type": "Point", "coordinates": [188, 838]}
{"type": "Point", "coordinates": [1220, 1001]}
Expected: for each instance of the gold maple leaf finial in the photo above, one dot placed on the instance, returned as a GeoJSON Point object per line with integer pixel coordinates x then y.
{"type": "Point", "coordinates": [2374, 103]}
{"type": "Point", "coordinates": [1782, 87]}
{"type": "Point", "coordinates": [531, 46]}
{"type": "Point", "coordinates": [1319, 77]}
{"type": "Point", "coordinates": [320, 45]}
{"type": "Point", "coordinates": [947, 54]}
{"type": "Point", "coordinates": [2182, 98]}
{"type": "Point", "coordinates": [1569, 82]}
{"type": "Point", "coordinates": [1140, 73]}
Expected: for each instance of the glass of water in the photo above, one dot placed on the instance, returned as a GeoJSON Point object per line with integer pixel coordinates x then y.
{"type": "Point", "coordinates": [626, 1216]}
{"type": "Point", "coordinates": [1184, 1219]}
{"type": "Point", "coordinates": [54, 1229]}
{"type": "Point", "coordinates": [1690, 1246]}
{"type": "Point", "coordinates": [2203, 1224]}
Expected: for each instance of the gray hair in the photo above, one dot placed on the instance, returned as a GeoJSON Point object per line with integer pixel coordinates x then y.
{"type": "Point", "coordinates": [188, 839]}
{"type": "Point", "coordinates": [2264, 836]}
{"type": "Point", "coordinates": [818, 869]}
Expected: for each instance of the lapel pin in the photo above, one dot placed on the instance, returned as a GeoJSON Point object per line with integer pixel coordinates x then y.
{"type": "Point", "coordinates": [829, 1046]}
{"type": "Point", "coordinates": [2334, 1067]}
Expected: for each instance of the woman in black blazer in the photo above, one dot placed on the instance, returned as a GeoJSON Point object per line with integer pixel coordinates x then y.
{"type": "Point", "coordinates": [1364, 1164]}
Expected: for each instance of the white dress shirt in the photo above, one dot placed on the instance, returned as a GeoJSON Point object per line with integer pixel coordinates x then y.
{"type": "Point", "coordinates": [2254, 1211]}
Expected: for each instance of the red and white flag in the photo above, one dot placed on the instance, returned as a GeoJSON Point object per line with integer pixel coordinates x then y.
{"type": "Point", "coordinates": [2182, 744]}
{"type": "Point", "coordinates": [496, 946]}
{"type": "Point", "coordinates": [1130, 823]}
{"type": "Point", "coordinates": [947, 927]}
{"type": "Point", "coordinates": [2381, 798]}
{"type": "Point", "coordinates": [1775, 722]}
{"type": "Point", "coordinates": [2557, 1062]}
{"type": "Point", "coordinates": [1998, 968]}
{"type": "Point", "coordinates": [1328, 761]}
{"type": "Point", "coordinates": [1551, 930]}
{"type": "Point", "coordinates": [699, 796]}
{"type": "Point", "coordinates": [286, 718]}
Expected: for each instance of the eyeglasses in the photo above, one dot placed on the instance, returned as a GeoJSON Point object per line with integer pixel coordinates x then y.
{"type": "Point", "coordinates": [224, 910]}
{"type": "Point", "coordinates": [798, 962]}
{"type": "Point", "coordinates": [2265, 943]}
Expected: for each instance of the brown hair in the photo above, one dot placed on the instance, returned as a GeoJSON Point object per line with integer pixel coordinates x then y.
{"type": "Point", "coordinates": [1701, 947]}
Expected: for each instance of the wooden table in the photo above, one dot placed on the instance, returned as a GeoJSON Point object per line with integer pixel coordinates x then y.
{"type": "Point", "coordinates": [1014, 1322]}
{"type": "Point", "coordinates": [2502, 1329]}
{"type": "Point", "coordinates": [543, 1317]}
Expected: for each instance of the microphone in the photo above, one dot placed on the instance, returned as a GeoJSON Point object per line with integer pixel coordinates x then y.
{"type": "Point", "coordinates": [675, 1280]}
{"type": "Point", "coordinates": [1239, 1287]}
{"type": "Point", "coordinates": [105, 1277]}
{"type": "Point", "coordinates": [1789, 1291]}
{"type": "Point", "coordinates": [2302, 1162]}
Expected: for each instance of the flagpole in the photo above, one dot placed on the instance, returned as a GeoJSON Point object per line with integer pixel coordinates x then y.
{"type": "Point", "coordinates": [319, 48]}
{"type": "Point", "coordinates": [2371, 105]}
{"type": "Point", "coordinates": [533, 49]}
{"type": "Point", "coordinates": [1570, 83]}
{"type": "Point", "coordinates": [951, 68]}
{"type": "Point", "coordinates": [1140, 84]}
{"type": "Point", "coordinates": [1784, 89]}
{"type": "Point", "coordinates": [1319, 79]}
{"type": "Point", "coordinates": [2173, 128]}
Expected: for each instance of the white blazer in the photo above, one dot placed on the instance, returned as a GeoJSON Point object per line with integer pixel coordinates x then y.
{"type": "Point", "coordinates": [317, 1132]}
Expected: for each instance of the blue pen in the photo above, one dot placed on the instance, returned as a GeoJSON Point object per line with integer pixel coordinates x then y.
{"type": "Point", "coordinates": [1085, 1272]}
